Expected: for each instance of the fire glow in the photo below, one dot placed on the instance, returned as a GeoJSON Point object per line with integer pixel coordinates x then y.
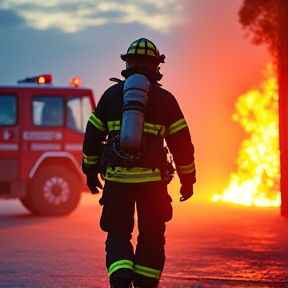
{"type": "Point", "coordinates": [257, 180]}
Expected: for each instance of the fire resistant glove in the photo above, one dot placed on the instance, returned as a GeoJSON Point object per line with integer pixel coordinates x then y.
{"type": "Point", "coordinates": [93, 183]}
{"type": "Point", "coordinates": [186, 191]}
{"type": "Point", "coordinates": [92, 180]}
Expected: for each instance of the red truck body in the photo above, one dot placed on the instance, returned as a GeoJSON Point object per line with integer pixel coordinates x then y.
{"type": "Point", "coordinates": [41, 135]}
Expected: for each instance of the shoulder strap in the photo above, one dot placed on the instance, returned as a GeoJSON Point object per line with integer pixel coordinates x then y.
{"type": "Point", "coordinates": [114, 79]}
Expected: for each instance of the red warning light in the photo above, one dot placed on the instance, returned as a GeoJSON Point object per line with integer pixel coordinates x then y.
{"type": "Point", "coordinates": [41, 79]}
{"type": "Point", "coordinates": [76, 81]}
{"type": "Point", "coordinates": [44, 79]}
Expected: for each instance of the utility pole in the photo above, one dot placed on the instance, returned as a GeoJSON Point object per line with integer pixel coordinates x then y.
{"type": "Point", "coordinates": [283, 104]}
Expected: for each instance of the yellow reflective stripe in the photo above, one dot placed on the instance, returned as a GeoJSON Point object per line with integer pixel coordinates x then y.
{"type": "Point", "coordinates": [90, 160]}
{"type": "Point", "coordinates": [97, 122]}
{"type": "Point", "coordinates": [114, 125]}
{"type": "Point", "coordinates": [133, 175]}
{"type": "Point", "coordinates": [155, 129]}
{"type": "Point", "coordinates": [186, 169]}
{"type": "Point", "coordinates": [135, 180]}
{"type": "Point", "coordinates": [177, 126]}
{"type": "Point", "coordinates": [128, 264]}
{"type": "Point", "coordinates": [148, 272]}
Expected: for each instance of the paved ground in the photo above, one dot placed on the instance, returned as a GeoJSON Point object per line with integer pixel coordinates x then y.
{"type": "Point", "coordinates": [208, 245]}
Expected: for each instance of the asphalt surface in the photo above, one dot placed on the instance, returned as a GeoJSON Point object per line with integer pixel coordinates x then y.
{"type": "Point", "coordinates": [207, 245]}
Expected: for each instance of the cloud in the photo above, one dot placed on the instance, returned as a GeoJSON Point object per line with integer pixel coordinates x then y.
{"type": "Point", "coordinates": [9, 18]}
{"type": "Point", "coordinates": [70, 16]}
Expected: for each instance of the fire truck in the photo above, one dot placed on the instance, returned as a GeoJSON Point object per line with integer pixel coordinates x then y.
{"type": "Point", "coordinates": [41, 134]}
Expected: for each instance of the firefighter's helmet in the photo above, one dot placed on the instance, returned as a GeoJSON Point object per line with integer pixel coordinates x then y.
{"type": "Point", "coordinates": [144, 48]}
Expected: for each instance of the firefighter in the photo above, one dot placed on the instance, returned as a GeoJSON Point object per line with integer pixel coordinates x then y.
{"type": "Point", "coordinates": [124, 142]}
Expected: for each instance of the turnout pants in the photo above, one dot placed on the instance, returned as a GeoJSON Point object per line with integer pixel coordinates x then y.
{"type": "Point", "coordinates": [153, 205]}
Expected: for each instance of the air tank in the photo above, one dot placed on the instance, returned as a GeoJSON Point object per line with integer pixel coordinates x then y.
{"type": "Point", "coordinates": [135, 99]}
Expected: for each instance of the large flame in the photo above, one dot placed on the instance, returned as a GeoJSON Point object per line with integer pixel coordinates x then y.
{"type": "Point", "coordinates": [257, 180]}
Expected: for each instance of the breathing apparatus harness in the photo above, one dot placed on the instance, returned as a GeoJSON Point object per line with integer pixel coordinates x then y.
{"type": "Point", "coordinates": [150, 152]}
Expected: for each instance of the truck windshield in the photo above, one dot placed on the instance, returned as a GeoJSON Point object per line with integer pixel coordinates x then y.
{"type": "Point", "coordinates": [79, 110]}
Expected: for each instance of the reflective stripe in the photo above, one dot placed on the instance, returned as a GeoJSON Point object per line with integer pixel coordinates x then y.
{"type": "Point", "coordinates": [90, 160]}
{"type": "Point", "coordinates": [177, 126]}
{"type": "Point", "coordinates": [128, 264]}
{"type": "Point", "coordinates": [114, 125]}
{"type": "Point", "coordinates": [97, 122]}
{"type": "Point", "coordinates": [44, 146]}
{"type": "Point", "coordinates": [73, 147]}
{"type": "Point", "coordinates": [155, 129]}
{"type": "Point", "coordinates": [148, 272]}
{"type": "Point", "coordinates": [133, 175]}
{"type": "Point", "coordinates": [186, 169]}
{"type": "Point", "coordinates": [9, 147]}
{"type": "Point", "coordinates": [51, 155]}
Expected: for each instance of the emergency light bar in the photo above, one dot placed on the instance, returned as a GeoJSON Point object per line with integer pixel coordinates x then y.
{"type": "Point", "coordinates": [41, 79]}
{"type": "Point", "coordinates": [75, 82]}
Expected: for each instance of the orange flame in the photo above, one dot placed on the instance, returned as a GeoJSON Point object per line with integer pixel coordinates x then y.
{"type": "Point", "coordinates": [257, 180]}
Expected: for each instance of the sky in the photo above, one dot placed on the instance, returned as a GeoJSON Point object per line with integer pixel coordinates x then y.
{"type": "Point", "coordinates": [209, 63]}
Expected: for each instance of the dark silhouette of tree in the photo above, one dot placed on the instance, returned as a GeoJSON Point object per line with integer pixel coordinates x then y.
{"type": "Point", "coordinates": [266, 23]}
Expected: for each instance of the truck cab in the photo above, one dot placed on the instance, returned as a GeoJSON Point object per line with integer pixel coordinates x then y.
{"type": "Point", "coordinates": [41, 134]}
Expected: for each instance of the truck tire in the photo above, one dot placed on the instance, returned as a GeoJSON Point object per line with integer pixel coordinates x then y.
{"type": "Point", "coordinates": [53, 191]}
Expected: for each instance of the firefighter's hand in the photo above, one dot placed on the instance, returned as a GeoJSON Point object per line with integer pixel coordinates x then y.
{"type": "Point", "coordinates": [94, 184]}
{"type": "Point", "coordinates": [186, 191]}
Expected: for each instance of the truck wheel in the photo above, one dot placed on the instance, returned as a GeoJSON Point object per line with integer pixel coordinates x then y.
{"type": "Point", "coordinates": [54, 191]}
